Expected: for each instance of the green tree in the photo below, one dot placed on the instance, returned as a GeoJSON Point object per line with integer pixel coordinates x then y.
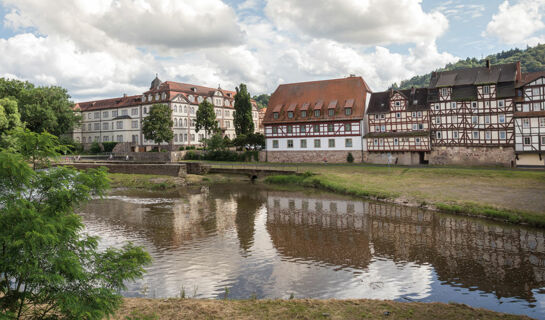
{"type": "Point", "coordinates": [36, 148]}
{"type": "Point", "coordinates": [244, 123]}
{"type": "Point", "coordinates": [157, 126]}
{"type": "Point", "coordinates": [9, 115]}
{"type": "Point", "coordinates": [41, 108]}
{"type": "Point", "coordinates": [206, 118]}
{"type": "Point", "coordinates": [50, 268]}
{"type": "Point", "coordinates": [216, 143]}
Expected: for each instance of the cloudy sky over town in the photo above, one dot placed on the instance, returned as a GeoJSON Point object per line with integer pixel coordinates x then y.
{"type": "Point", "coordinates": [104, 48]}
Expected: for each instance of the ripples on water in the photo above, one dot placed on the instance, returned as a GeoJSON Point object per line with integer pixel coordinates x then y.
{"type": "Point", "coordinates": [266, 243]}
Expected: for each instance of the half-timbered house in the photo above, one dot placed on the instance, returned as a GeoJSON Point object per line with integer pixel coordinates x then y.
{"type": "Point", "coordinates": [398, 127]}
{"type": "Point", "coordinates": [530, 120]}
{"type": "Point", "coordinates": [316, 121]}
{"type": "Point", "coordinates": [471, 113]}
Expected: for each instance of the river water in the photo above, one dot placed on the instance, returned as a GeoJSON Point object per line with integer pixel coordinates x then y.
{"type": "Point", "coordinates": [252, 241]}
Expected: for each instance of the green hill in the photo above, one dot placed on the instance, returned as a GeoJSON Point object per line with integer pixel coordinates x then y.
{"type": "Point", "coordinates": [532, 59]}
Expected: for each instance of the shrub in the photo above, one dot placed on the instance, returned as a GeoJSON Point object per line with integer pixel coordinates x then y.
{"type": "Point", "coordinates": [192, 155]}
{"type": "Point", "coordinates": [350, 158]}
{"type": "Point", "coordinates": [95, 148]}
{"type": "Point", "coordinates": [109, 146]}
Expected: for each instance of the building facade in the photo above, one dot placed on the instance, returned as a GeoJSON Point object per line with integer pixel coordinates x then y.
{"type": "Point", "coordinates": [530, 120]}
{"type": "Point", "coordinates": [398, 127]}
{"type": "Point", "coordinates": [120, 119]}
{"type": "Point", "coordinates": [316, 121]}
{"type": "Point", "coordinates": [471, 113]}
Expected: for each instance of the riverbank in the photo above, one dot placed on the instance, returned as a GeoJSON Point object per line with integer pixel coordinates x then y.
{"type": "Point", "coordinates": [161, 182]}
{"type": "Point", "coordinates": [137, 308]}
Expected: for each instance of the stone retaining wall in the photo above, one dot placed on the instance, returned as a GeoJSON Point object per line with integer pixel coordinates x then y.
{"type": "Point", "coordinates": [397, 158]}
{"type": "Point", "coordinates": [309, 156]}
{"type": "Point", "coordinates": [473, 156]}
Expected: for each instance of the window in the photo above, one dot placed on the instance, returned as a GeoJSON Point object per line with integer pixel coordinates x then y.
{"type": "Point", "coordinates": [542, 141]}
{"type": "Point", "coordinates": [377, 129]}
{"type": "Point", "coordinates": [380, 142]}
{"type": "Point", "coordinates": [316, 128]}
{"type": "Point", "coordinates": [382, 116]}
{"type": "Point", "coordinates": [303, 114]}
{"type": "Point", "coordinates": [414, 114]}
{"type": "Point", "coordinates": [134, 111]}
{"type": "Point", "coordinates": [501, 104]}
{"type": "Point", "coordinates": [290, 129]}
{"type": "Point", "coordinates": [383, 128]}
{"type": "Point", "coordinates": [415, 127]}
{"type": "Point", "coordinates": [330, 127]}
{"type": "Point", "coordinates": [105, 138]}
{"type": "Point", "coordinates": [331, 112]}
{"type": "Point", "coordinates": [134, 124]}
{"type": "Point", "coordinates": [455, 134]}
{"type": "Point", "coordinates": [535, 91]}
{"type": "Point", "coordinates": [290, 143]}
{"type": "Point", "coordinates": [317, 113]}
{"type": "Point", "coordinates": [453, 105]}
{"type": "Point", "coordinates": [537, 106]}
{"type": "Point", "coordinates": [135, 138]}
{"type": "Point", "coordinates": [437, 120]}
{"type": "Point", "coordinates": [290, 114]}
{"type": "Point", "coordinates": [348, 111]}
{"type": "Point", "coordinates": [437, 107]}
{"type": "Point", "coordinates": [119, 124]}
{"type": "Point", "coordinates": [542, 122]}
{"type": "Point", "coordinates": [97, 126]}
{"type": "Point", "coordinates": [398, 115]}
{"type": "Point", "coordinates": [417, 141]}
{"type": "Point", "coordinates": [502, 135]}
{"type": "Point", "coordinates": [419, 114]}
{"type": "Point", "coordinates": [438, 135]}
{"type": "Point", "coordinates": [420, 126]}
{"type": "Point", "coordinates": [302, 128]}
{"type": "Point", "coordinates": [454, 119]}
{"type": "Point", "coordinates": [175, 138]}
{"type": "Point", "coordinates": [475, 120]}
{"type": "Point", "coordinates": [88, 116]}
{"type": "Point", "coordinates": [527, 141]}
{"type": "Point", "coordinates": [125, 112]}
{"type": "Point", "coordinates": [316, 143]}
{"type": "Point", "coordinates": [486, 89]}
{"type": "Point", "coordinates": [475, 134]}
{"type": "Point", "coordinates": [348, 143]}
{"type": "Point", "coordinates": [331, 143]}
{"type": "Point", "coordinates": [444, 91]}
{"type": "Point", "coordinates": [120, 138]}
{"type": "Point", "coordinates": [526, 123]}
{"type": "Point", "coordinates": [398, 103]}
{"type": "Point", "coordinates": [303, 144]}
{"type": "Point", "coordinates": [376, 116]}
{"type": "Point", "coordinates": [105, 114]}
{"type": "Point", "coordinates": [97, 115]}
{"type": "Point", "coordinates": [275, 144]}
{"type": "Point", "coordinates": [89, 127]}
{"type": "Point", "coordinates": [396, 141]}
{"type": "Point", "coordinates": [348, 127]}
{"type": "Point", "coordinates": [114, 113]}
{"type": "Point", "coordinates": [474, 105]}
{"type": "Point", "coordinates": [501, 118]}
{"type": "Point", "coordinates": [105, 126]}
{"type": "Point", "coordinates": [375, 142]}
{"type": "Point", "coordinates": [487, 119]}
{"type": "Point", "coordinates": [487, 103]}
{"type": "Point", "coordinates": [275, 115]}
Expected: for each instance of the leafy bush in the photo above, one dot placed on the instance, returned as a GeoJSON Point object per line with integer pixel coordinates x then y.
{"type": "Point", "coordinates": [350, 158]}
{"type": "Point", "coordinates": [95, 148]}
{"type": "Point", "coordinates": [191, 155]}
{"type": "Point", "coordinates": [109, 146]}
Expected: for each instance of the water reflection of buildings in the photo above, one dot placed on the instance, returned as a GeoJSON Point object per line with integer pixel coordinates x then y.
{"type": "Point", "coordinates": [508, 261]}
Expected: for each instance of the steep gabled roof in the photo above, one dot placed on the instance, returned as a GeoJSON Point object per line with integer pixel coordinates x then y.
{"type": "Point", "coordinates": [318, 94]}
{"type": "Point", "coordinates": [380, 101]}
{"type": "Point", "coordinates": [475, 76]}
{"type": "Point", "coordinates": [530, 77]}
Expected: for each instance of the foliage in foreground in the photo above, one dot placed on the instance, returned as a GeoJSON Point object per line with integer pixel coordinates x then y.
{"type": "Point", "coordinates": [50, 268]}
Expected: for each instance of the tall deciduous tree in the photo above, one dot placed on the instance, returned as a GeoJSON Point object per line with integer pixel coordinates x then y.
{"type": "Point", "coordinates": [206, 118]}
{"type": "Point", "coordinates": [157, 126]}
{"type": "Point", "coordinates": [244, 123]}
{"type": "Point", "coordinates": [9, 115]}
{"type": "Point", "coordinates": [41, 108]}
{"type": "Point", "coordinates": [50, 269]}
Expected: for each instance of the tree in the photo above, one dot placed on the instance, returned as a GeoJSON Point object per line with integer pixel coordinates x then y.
{"type": "Point", "coordinates": [41, 108]}
{"type": "Point", "coordinates": [216, 143]}
{"type": "Point", "coordinates": [9, 115]}
{"type": "Point", "coordinates": [262, 100]}
{"type": "Point", "coordinates": [36, 148]}
{"type": "Point", "coordinates": [50, 268]}
{"type": "Point", "coordinates": [244, 123]}
{"type": "Point", "coordinates": [157, 126]}
{"type": "Point", "coordinates": [206, 118]}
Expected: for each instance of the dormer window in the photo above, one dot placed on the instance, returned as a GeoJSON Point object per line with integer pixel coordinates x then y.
{"type": "Point", "coordinates": [191, 98]}
{"type": "Point", "coordinates": [348, 111]}
{"type": "Point", "coordinates": [275, 115]}
{"type": "Point", "coordinates": [398, 103]}
{"type": "Point", "coordinates": [444, 92]}
{"type": "Point", "coordinates": [317, 113]}
{"type": "Point", "coordinates": [486, 89]}
{"type": "Point", "coordinates": [331, 112]}
{"type": "Point", "coordinates": [303, 114]}
{"type": "Point", "coordinates": [290, 114]}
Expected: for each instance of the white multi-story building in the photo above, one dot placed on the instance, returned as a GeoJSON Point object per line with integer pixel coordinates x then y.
{"type": "Point", "coordinates": [120, 119]}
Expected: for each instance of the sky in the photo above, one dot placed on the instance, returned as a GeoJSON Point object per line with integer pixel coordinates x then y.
{"type": "Point", "coordinates": [105, 48]}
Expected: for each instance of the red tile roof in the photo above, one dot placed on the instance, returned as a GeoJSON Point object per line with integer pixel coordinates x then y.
{"type": "Point", "coordinates": [125, 101]}
{"type": "Point", "coordinates": [529, 77]}
{"type": "Point", "coordinates": [337, 93]}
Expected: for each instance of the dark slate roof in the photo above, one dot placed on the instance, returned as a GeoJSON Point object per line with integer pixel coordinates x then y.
{"type": "Point", "coordinates": [380, 101]}
{"type": "Point", "coordinates": [464, 93]}
{"type": "Point", "coordinates": [474, 76]}
{"type": "Point", "coordinates": [505, 90]}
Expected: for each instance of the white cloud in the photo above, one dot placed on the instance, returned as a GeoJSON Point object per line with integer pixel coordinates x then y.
{"type": "Point", "coordinates": [368, 22]}
{"type": "Point", "coordinates": [518, 23]}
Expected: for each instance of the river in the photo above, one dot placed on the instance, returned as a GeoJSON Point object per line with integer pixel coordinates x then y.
{"type": "Point", "coordinates": [248, 240]}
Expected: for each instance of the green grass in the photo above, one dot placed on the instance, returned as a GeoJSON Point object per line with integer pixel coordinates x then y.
{"type": "Point", "coordinates": [511, 216]}
{"type": "Point", "coordinates": [142, 181]}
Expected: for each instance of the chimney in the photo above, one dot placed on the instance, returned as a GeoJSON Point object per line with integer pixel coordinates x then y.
{"type": "Point", "coordinates": [488, 64]}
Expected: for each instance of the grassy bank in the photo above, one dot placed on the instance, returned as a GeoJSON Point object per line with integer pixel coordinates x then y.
{"type": "Point", "coordinates": [134, 308]}
{"type": "Point", "coordinates": [143, 181]}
